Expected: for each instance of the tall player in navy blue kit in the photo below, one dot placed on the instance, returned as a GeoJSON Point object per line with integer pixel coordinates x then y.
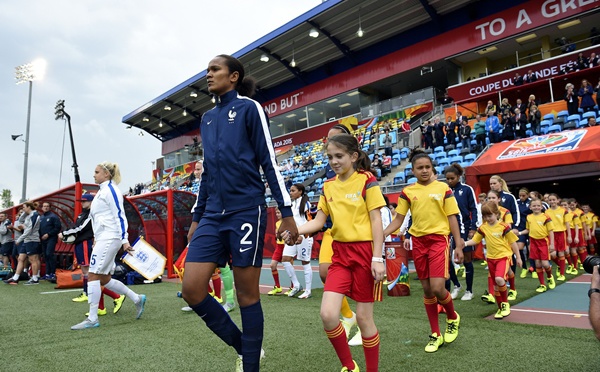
{"type": "Point", "coordinates": [229, 217]}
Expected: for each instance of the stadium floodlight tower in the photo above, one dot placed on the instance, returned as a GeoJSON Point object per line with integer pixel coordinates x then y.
{"type": "Point", "coordinates": [27, 73]}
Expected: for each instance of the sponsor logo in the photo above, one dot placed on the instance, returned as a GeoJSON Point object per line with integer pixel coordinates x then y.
{"type": "Point", "coordinates": [242, 250]}
{"type": "Point", "coordinates": [436, 196]}
{"type": "Point", "coordinates": [210, 121]}
{"type": "Point", "coordinates": [232, 114]}
{"type": "Point", "coordinates": [544, 144]}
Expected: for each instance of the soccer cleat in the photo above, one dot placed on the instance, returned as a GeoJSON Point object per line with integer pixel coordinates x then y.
{"type": "Point", "coordinates": [580, 266]}
{"type": "Point", "coordinates": [354, 369]}
{"type": "Point", "coordinates": [561, 278]}
{"type": "Point", "coordinates": [498, 315]}
{"type": "Point", "coordinates": [523, 273]}
{"type": "Point", "coordinates": [118, 303]}
{"type": "Point", "coordinates": [305, 294]}
{"type": "Point", "coordinates": [11, 281]}
{"type": "Point", "coordinates": [534, 275]}
{"type": "Point", "coordinates": [488, 298]}
{"type": "Point", "coordinates": [101, 312]}
{"type": "Point", "coordinates": [452, 326]}
{"type": "Point", "coordinates": [186, 309]}
{"type": "Point", "coordinates": [541, 289]}
{"type": "Point", "coordinates": [505, 309]}
{"type": "Point", "coordinates": [512, 294]}
{"type": "Point", "coordinates": [569, 269]}
{"type": "Point", "coordinates": [274, 291]}
{"type": "Point", "coordinates": [574, 271]}
{"type": "Point", "coordinates": [551, 283]}
{"type": "Point", "coordinates": [468, 296]}
{"type": "Point", "coordinates": [356, 340]}
{"type": "Point", "coordinates": [32, 282]}
{"type": "Point", "coordinates": [81, 298]}
{"type": "Point", "coordinates": [435, 341]}
{"type": "Point", "coordinates": [239, 363]}
{"type": "Point", "coordinates": [348, 323]}
{"type": "Point", "coordinates": [140, 306]}
{"type": "Point", "coordinates": [464, 273]}
{"type": "Point", "coordinates": [229, 307]}
{"type": "Point", "coordinates": [460, 271]}
{"type": "Point", "coordinates": [455, 292]}
{"type": "Point", "coordinates": [85, 325]}
{"type": "Point", "coordinates": [294, 291]}
{"type": "Point", "coordinates": [484, 263]}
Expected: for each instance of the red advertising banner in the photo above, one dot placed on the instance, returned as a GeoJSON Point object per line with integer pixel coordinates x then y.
{"type": "Point", "coordinates": [510, 22]}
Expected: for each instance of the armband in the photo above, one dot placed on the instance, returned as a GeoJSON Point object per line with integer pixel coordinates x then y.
{"type": "Point", "coordinates": [593, 290]}
{"type": "Point", "coordinates": [377, 259]}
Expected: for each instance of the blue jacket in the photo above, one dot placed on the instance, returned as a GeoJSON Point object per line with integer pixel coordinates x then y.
{"type": "Point", "coordinates": [465, 197]}
{"type": "Point", "coordinates": [237, 143]}
{"type": "Point", "coordinates": [523, 211]}
{"type": "Point", "coordinates": [49, 224]}
{"type": "Point", "coordinates": [492, 122]}
{"type": "Point", "coordinates": [508, 201]}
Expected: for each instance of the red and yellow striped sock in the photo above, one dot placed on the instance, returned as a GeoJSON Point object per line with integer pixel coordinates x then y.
{"type": "Point", "coordinates": [548, 271]}
{"type": "Point", "coordinates": [503, 293]}
{"type": "Point", "coordinates": [540, 273]}
{"type": "Point", "coordinates": [561, 265]}
{"type": "Point", "coordinates": [275, 274]}
{"type": "Point", "coordinates": [371, 350]}
{"type": "Point", "coordinates": [337, 337]}
{"type": "Point", "coordinates": [448, 305]}
{"type": "Point", "coordinates": [511, 281]}
{"type": "Point", "coordinates": [432, 314]}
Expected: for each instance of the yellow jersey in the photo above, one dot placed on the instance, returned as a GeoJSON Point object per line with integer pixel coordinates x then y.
{"type": "Point", "coordinates": [429, 206]}
{"type": "Point", "coordinates": [558, 217]}
{"type": "Point", "coordinates": [505, 216]}
{"type": "Point", "coordinates": [540, 226]}
{"type": "Point", "coordinates": [349, 203]}
{"type": "Point", "coordinates": [277, 224]}
{"type": "Point", "coordinates": [498, 239]}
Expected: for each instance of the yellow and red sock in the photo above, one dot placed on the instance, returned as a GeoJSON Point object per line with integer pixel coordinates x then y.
{"type": "Point", "coordinates": [448, 305]}
{"type": "Point", "coordinates": [582, 253]}
{"type": "Point", "coordinates": [432, 313]}
{"type": "Point", "coordinates": [111, 294]}
{"type": "Point", "coordinates": [548, 271]}
{"type": "Point", "coordinates": [540, 272]}
{"type": "Point", "coordinates": [503, 293]}
{"type": "Point", "coordinates": [561, 265]}
{"type": "Point", "coordinates": [371, 350]}
{"type": "Point", "coordinates": [275, 274]}
{"type": "Point", "coordinates": [511, 281]}
{"type": "Point", "coordinates": [216, 279]}
{"type": "Point", "coordinates": [337, 337]}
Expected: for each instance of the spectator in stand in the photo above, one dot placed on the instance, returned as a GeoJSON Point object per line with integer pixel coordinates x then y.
{"type": "Point", "coordinates": [593, 61]}
{"type": "Point", "coordinates": [504, 105]}
{"type": "Point", "coordinates": [438, 127]}
{"type": "Point", "coordinates": [50, 226]}
{"type": "Point", "coordinates": [491, 106]}
{"type": "Point", "coordinates": [581, 62]}
{"type": "Point", "coordinates": [535, 118]}
{"type": "Point", "coordinates": [585, 92]}
{"type": "Point", "coordinates": [427, 129]}
{"type": "Point", "coordinates": [492, 126]}
{"type": "Point", "coordinates": [518, 79]}
{"type": "Point", "coordinates": [480, 131]}
{"type": "Point", "coordinates": [464, 133]}
{"type": "Point", "coordinates": [446, 99]}
{"type": "Point", "coordinates": [508, 127]}
{"type": "Point", "coordinates": [519, 105]}
{"type": "Point", "coordinates": [405, 132]}
{"type": "Point", "coordinates": [519, 123]}
{"type": "Point", "coordinates": [376, 166]}
{"type": "Point", "coordinates": [310, 163]}
{"type": "Point", "coordinates": [387, 142]}
{"type": "Point", "coordinates": [592, 122]}
{"type": "Point", "coordinates": [571, 98]}
{"type": "Point", "coordinates": [530, 77]}
{"type": "Point", "coordinates": [530, 102]}
{"type": "Point", "coordinates": [451, 130]}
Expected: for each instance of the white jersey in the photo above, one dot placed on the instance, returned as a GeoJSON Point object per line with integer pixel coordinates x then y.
{"type": "Point", "coordinates": [108, 214]}
{"type": "Point", "coordinates": [299, 217]}
{"type": "Point", "coordinates": [386, 219]}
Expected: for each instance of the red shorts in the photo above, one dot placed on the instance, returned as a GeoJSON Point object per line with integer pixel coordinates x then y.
{"type": "Point", "coordinates": [431, 256]}
{"type": "Point", "coordinates": [538, 249]}
{"type": "Point", "coordinates": [278, 253]}
{"type": "Point", "coordinates": [498, 267]}
{"type": "Point", "coordinates": [350, 271]}
{"type": "Point", "coordinates": [593, 239]}
{"type": "Point", "coordinates": [582, 243]}
{"type": "Point", "coordinates": [560, 241]}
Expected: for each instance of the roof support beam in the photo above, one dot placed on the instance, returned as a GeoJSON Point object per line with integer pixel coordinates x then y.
{"type": "Point", "coordinates": [431, 11]}
{"type": "Point", "coordinates": [343, 48]}
{"type": "Point", "coordinates": [284, 63]}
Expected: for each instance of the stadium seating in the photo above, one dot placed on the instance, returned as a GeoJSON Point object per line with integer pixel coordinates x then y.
{"type": "Point", "coordinates": [411, 180]}
{"type": "Point", "coordinates": [569, 125]}
{"type": "Point", "coordinates": [554, 129]}
{"type": "Point", "coordinates": [549, 117]}
{"type": "Point", "coordinates": [589, 114]}
{"type": "Point", "coordinates": [582, 123]}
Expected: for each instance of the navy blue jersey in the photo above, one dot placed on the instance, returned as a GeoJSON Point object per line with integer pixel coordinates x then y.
{"type": "Point", "coordinates": [508, 201]}
{"type": "Point", "coordinates": [237, 143]}
{"type": "Point", "coordinates": [465, 197]}
{"type": "Point", "coordinates": [523, 212]}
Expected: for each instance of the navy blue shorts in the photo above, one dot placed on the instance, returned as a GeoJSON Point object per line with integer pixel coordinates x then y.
{"type": "Point", "coordinates": [30, 248]}
{"type": "Point", "coordinates": [523, 239]}
{"type": "Point", "coordinates": [465, 237]}
{"type": "Point", "coordinates": [238, 235]}
{"type": "Point", "coordinates": [83, 252]}
{"type": "Point", "coordinates": [6, 249]}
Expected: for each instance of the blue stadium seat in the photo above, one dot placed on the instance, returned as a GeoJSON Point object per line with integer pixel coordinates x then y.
{"type": "Point", "coordinates": [529, 133]}
{"type": "Point", "coordinates": [554, 129]}
{"type": "Point", "coordinates": [563, 113]}
{"type": "Point", "coordinates": [452, 153]}
{"type": "Point", "coordinates": [470, 157]}
{"type": "Point", "coordinates": [395, 162]}
{"type": "Point", "coordinates": [589, 114]}
{"type": "Point", "coordinates": [411, 180]}
{"type": "Point", "coordinates": [438, 149]}
{"type": "Point", "coordinates": [443, 162]}
{"type": "Point", "coordinates": [574, 118]}
{"type": "Point", "coordinates": [456, 159]}
{"type": "Point", "coordinates": [582, 123]}
{"type": "Point", "coordinates": [399, 178]}
{"type": "Point", "coordinates": [408, 168]}
{"type": "Point", "coordinates": [549, 117]}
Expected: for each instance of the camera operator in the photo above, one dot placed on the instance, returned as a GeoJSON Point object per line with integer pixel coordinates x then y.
{"type": "Point", "coordinates": [594, 293]}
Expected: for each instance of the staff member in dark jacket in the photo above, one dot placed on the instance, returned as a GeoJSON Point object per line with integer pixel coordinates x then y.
{"type": "Point", "coordinates": [49, 228]}
{"type": "Point", "coordinates": [229, 217]}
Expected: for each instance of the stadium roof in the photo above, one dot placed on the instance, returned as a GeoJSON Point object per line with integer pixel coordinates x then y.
{"type": "Point", "coordinates": [388, 25]}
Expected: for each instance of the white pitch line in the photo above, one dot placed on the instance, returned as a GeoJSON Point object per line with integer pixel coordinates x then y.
{"type": "Point", "coordinates": [546, 312]}
{"type": "Point", "coordinates": [62, 291]}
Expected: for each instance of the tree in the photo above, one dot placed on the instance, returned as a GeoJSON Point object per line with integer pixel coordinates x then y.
{"type": "Point", "coordinates": [7, 199]}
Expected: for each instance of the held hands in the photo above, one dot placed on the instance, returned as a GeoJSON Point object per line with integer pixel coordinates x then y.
{"type": "Point", "coordinates": [288, 231]}
{"type": "Point", "coordinates": [519, 262]}
{"type": "Point", "coordinates": [378, 271]}
{"type": "Point", "coordinates": [458, 251]}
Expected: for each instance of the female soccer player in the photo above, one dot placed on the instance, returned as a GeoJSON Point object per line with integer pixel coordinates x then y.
{"type": "Point", "coordinates": [541, 242]}
{"type": "Point", "coordinates": [352, 199]}
{"type": "Point", "coordinates": [579, 236]}
{"type": "Point", "coordinates": [28, 244]}
{"type": "Point", "coordinates": [465, 197]}
{"type": "Point", "coordinates": [523, 205]}
{"type": "Point", "coordinates": [110, 234]}
{"type": "Point", "coordinates": [302, 250]}
{"type": "Point", "coordinates": [591, 221]}
{"type": "Point", "coordinates": [501, 245]}
{"type": "Point", "coordinates": [229, 217]}
{"type": "Point", "coordinates": [572, 230]}
{"type": "Point", "coordinates": [557, 214]}
{"type": "Point", "coordinates": [434, 213]}
{"type": "Point", "coordinates": [276, 258]}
